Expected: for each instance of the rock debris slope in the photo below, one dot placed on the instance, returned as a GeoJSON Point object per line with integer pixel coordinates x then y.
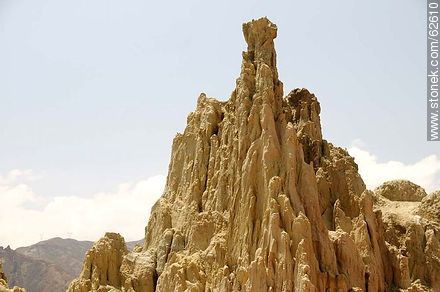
{"type": "Point", "coordinates": [257, 200]}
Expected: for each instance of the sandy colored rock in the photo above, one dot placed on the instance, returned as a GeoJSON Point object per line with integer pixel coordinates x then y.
{"type": "Point", "coordinates": [101, 268]}
{"type": "Point", "coordinates": [257, 200]}
{"type": "Point", "coordinates": [401, 190]}
{"type": "Point", "coordinates": [430, 207]}
{"type": "Point", "coordinates": [412, 235]}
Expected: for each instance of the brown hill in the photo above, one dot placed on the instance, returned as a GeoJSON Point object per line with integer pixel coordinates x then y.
{"type": "Point", "coordinates": [50, 263]}
{"type": "Point", "coordinates": [67, 254]}
{"type": "Point", "coordinates": [34, 275]}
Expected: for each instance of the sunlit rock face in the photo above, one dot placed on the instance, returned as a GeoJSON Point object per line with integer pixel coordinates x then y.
{"type": "Point", "coordinates": [257, 200]}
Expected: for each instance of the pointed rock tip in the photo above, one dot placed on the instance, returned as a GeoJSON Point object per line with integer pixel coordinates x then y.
{"type": "Point", "coordinates": [257, 32]}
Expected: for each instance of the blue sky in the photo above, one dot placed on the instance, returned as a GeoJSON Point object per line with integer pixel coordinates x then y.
{"type": "Point", "coordinates": [92, 92]}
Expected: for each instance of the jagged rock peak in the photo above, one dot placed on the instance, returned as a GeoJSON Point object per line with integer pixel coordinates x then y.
{"type": "Point", "coordinates": [305, 115]}
{"type": "Point", "coordinates": [258, 81]}
{"type": "Point", "coordinates": [259, 35]}
{"type": "Point", "coordinates": [102, 264]}
{"type": "Point", "coordinates": [257, 200]}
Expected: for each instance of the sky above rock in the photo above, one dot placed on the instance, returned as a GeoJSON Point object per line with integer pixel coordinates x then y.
{"type": "Point", "coordinates": [93, 92]}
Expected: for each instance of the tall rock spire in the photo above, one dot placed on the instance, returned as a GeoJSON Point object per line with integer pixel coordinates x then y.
{"type": "Point", "coordinates": [256, 200]}
{"type": "Point", "coordinates": [259, 35]}
{"type": "Point", "coordinates": [258, 79]}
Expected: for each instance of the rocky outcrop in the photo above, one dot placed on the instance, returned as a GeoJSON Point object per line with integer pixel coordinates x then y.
{"type": "Point", "coordinates": [257, 200]}
{"type": "Point", "coordinates": [101, 265]}
{"type": "Point", "coordinates": [4, 283]}
{"type": "Point", "coordinates": [430, 207]}
{"type": "Point", "coordinates": [401, 190]}
{"type": "Point", "coordinates": [412, 234]}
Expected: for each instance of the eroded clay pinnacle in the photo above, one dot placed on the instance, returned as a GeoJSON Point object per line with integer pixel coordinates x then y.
{"type": "Point", "coordinates": [256, 200]}
{"type": "Point", "coordinates": [259, 35]}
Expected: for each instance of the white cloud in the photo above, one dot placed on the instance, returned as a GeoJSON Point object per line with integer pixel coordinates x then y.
{"type": "Point", "coordinates": [124, 210]}
{"type": "Point", "coordinates": [425, 172]}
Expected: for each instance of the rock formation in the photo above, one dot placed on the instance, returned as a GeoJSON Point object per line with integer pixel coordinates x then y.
{"type": "Point", "coordinates": [48, 265]}
{"type": "Point", "coordinates": [411, 228]}
{"type": "Point", "coordinates": [430, 206]}
{"type": "Point", "coordinates": [401, 190]}
{"type": "Point", "coordinates": [257, 200]}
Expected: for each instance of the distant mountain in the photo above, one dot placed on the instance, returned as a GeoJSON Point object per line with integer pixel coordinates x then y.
{"type": "Point", "coordinates": [32, 274]}
{"type": "Point", "coordinates": [49, 265]}
{"type": "Point", "coordinates": [65, 253]}
{"type": "Point", "coordinates": [131, 244]}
